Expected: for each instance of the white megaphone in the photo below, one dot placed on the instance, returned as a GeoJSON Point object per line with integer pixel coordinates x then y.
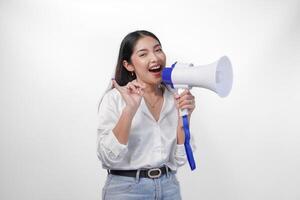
{"type": "Point", "coordinates": [216, 76]}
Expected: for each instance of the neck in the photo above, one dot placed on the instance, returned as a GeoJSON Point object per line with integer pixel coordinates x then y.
{"type": "Point", "coordinates": [153, 95]}
{"type": "Point", "coordinates": [153, 90]}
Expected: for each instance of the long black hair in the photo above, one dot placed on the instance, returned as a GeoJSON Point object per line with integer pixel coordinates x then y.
{"type": "Point", "coordinates": [122, 75]}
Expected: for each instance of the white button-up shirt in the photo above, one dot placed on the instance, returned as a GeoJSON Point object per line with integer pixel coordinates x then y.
{"type": "Point", "coordinates": [151, 143]}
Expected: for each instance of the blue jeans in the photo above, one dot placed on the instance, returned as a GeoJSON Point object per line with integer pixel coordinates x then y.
{"type": "Point", "coordinates": [128, 188]}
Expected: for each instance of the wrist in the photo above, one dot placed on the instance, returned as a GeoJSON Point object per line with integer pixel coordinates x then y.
{"type": "Point", "coordinates": [180, 119]}
{"type": "Point", "coordinates": [180, 135]}
{"type": "Point", "coordinates": [129, 112]}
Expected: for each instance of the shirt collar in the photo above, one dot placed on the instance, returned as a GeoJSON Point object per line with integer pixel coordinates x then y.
{"type": "Point", "coordinates": [168, 105]}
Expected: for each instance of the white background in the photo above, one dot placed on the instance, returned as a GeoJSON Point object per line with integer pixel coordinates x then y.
{"type": "Point", "coordinates": [56, 58]}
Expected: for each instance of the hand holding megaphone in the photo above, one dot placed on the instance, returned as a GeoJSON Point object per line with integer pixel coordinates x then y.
{"type": "Point", "coordinates": [216, 76]}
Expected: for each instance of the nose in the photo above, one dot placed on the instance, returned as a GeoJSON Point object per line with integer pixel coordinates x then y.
{"type": "Point", "coordinates": [153, 57]}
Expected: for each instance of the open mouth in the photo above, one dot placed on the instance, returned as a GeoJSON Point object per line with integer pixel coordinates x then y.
{"type": "Point", "coordinates": [155, 69]}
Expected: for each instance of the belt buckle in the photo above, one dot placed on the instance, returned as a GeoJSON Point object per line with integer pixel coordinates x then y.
{"type": "Point", "coordinates": [154, 170]}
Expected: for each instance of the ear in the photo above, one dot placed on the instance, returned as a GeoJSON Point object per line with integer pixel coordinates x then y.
{"type": "Point", "coordinates": [128, 66]}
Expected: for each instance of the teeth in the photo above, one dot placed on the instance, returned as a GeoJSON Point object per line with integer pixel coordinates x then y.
{"type": "Point", "coordinates": [156, 67]}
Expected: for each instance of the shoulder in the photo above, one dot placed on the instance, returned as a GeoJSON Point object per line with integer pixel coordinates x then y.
{"type": "Point", "coordinates": [112, 94]}
{"type": "Point", "coordinates": [112, 97]}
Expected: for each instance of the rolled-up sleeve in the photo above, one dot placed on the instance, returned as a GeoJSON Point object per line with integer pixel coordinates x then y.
{"type": "Point", "coordinates": [180, 154]}
{"type": "Point", "coordinates": [109, 150]}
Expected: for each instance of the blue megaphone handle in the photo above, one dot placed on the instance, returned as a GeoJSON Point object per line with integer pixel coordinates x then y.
{"type": "Point", "coordinates": [188, 148]}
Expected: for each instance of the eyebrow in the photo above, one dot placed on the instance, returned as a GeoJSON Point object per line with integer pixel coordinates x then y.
{"type": "Point", "coordinates": [157, 45]}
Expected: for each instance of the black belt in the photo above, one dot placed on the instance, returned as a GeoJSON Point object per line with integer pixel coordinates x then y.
{"type": "Point", "coordinates": [144, 173]}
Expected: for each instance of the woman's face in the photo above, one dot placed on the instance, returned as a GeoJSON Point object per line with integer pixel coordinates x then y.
{"type": "Point", "coordinates": [148, 60]}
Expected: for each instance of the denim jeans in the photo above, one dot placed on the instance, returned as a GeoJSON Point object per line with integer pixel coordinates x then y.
{"type": "Point", "coordinates": [128, 188]}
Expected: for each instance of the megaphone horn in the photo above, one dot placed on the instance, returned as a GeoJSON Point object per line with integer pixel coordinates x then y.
{"type": "Point", "coordinates": [216, 76]}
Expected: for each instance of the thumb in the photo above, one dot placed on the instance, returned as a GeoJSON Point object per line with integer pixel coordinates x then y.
{"type": "Point", "coordinates": [176, 96]}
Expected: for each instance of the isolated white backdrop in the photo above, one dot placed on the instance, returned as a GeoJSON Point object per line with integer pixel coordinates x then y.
{"type": "Point", "coordinates": [56, 58]}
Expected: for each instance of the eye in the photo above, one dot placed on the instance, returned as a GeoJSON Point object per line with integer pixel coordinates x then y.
{"type": "Point", "coordinates": [142, 54]}
{"type": "Point", "coordinates": [158, 50]}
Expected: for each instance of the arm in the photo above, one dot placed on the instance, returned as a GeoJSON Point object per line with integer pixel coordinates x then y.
{"type": "Point", "coordinates": [114, 126]}
{"type": "Point", "coordinates": [109, 150]}
{"type": "Point", "coordinates": [183, 101]}
{"type": "Point", "coordinates": [121, 130]}
{"type": "Point", "coordinates": [132, 95]}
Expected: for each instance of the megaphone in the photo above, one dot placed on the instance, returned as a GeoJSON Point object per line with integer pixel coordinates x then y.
{"type": "Point", "coordinates": [216, 76]}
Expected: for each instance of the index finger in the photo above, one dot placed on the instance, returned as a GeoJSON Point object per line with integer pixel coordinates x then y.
{"type": "Point", "coordinates": [141, 85]}
{"type": "Point", "coordinates": [115, 84]}
{"type": "Point", "coordinates": [186, 91]}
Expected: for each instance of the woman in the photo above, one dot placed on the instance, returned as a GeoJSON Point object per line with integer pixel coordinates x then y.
{"type": "Point", "coordinates": [140, 133]}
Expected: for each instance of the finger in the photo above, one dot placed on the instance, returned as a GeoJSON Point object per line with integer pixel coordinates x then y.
{"type": "Point", "coordinates": [137, 84]}
{"type": "Point", "coordinates": [135, 89]}
{"type": "Point", "coordinates": [186, 97]}
{"type": "Point", "coordinates": [115, 84]}
{"type": "Point", "coordinates": [186, 91]}
{"type": "Point", "coordinates": [131, 87]}
{"type": "Point", "coordinates": [189, 107]}
{"type": "Point", "coordinates": [141, 92]}
{"type": "Point", "coordinates": [186, 102]}
{"type": "Point", "coordinates": [176, 96]}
